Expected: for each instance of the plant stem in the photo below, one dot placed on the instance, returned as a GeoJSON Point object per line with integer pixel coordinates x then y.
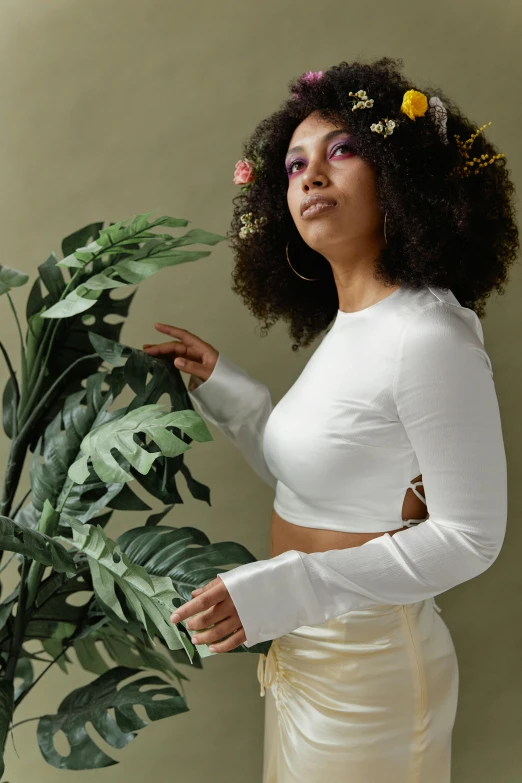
{"type": "Point", "coordinates": [17, 322]}
{"type": "Point", "coordinates": [27, 720]}
{"type": "Point", "coordinates": [35, 657]}
{"type": "Point", "coordinates": [69, 643]}
{"type": "Point", "coordinates": [49, 330]}
{"type": "Point", "coordinates": [21, 503]}
{"type": "Point", "coordinates": [9, 560]}
{"type": "Point", "coordinates": [63, 294]}
{"type": "Point", "coordinates": [23, 357]}
{"type": "Point", "coordinates": [49, 526]}
{"type": "Point", "coordinates": [30, 688]}
{"type": "Point", "coordinates": [18, 635]}
{"type": "Point", "coordinates": [36, 384]}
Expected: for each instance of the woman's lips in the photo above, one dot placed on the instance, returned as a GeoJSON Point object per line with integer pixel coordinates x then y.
{"type": "Point", "coordinates": [315, 209]}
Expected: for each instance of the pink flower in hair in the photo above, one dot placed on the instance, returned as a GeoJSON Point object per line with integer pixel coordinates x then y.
{"type": "Point", "coordinates": [312, 76]}
{"type": "Point", "coordinates": [244, 172]}
{"type": "Point", "coordinates": [308, 76]}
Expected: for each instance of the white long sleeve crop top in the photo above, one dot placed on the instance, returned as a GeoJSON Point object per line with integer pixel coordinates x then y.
{"type": "Point", "coordinates": [401, 388]}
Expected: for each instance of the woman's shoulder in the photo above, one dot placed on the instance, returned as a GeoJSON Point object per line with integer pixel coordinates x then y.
{"type": "Point", "coordinates": [436, 311]}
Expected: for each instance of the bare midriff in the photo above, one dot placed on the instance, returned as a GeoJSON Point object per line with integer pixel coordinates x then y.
{"type": "Point", "coordinates": [286, 535]}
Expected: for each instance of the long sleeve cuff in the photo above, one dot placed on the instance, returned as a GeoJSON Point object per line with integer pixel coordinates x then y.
{"type": "Point", "coordinates": [273, 597]}
{"type": "Point", "coordinates": [239, 406]}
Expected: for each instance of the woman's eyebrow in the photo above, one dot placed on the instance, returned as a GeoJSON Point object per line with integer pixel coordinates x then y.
{"type": "Point", "coordinates": [327, 136]}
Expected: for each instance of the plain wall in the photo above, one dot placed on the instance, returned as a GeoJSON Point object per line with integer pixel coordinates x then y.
{"type": "Point", "coordinates": [113, 108]}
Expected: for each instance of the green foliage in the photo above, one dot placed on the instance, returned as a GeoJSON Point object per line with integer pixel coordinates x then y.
{"type": "Point", "coordinates": [11, 278]}
{"type": "Point", "coordinates": [92, 704]}
{"type": "Point", "coordinates": [149, 597]}
{"type": "Point", "coordinates": [36, 546]}
{"type": "Point", "coordinates": [119, 434]}
{"type": "Point", "coordinates": [84, 453]}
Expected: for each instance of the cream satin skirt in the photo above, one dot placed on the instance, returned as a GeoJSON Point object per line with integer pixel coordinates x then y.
{"type": "Point", "coordinates": [367, 697]}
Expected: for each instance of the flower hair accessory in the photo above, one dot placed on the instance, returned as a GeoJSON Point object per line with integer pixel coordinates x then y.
{"type": "Point", "coordinates": [385, 126]}
{"type": "Point", "coordinates": [414, 104]}
{"type": "Point", "coordinates": [307, 77]}
{"type": "Point", "coordinates": [311, 76]}
{"type": "Point", "coordinates": [244, 172]}
{"type": "Point", "coordinates": [249, 226]}
{"type": "Point", "coordinates": [465, 168]}
{"type": "Point", "coordinates": [363, 101]}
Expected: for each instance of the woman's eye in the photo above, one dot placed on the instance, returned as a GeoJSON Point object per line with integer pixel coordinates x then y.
{"type": "Point", "coordinates": [291, 166]}
{"type": "Point", "coordinates": [346, 146]}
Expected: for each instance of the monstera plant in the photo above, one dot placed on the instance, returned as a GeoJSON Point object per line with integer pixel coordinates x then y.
{"type": "Point", "coordinates": [84, 453]}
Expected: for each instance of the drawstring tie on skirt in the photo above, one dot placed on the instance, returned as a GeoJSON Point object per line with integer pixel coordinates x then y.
{"type": "Point", "coordinates": [269, 675]}
{"type": "Point", "coordinates": [267, 664]}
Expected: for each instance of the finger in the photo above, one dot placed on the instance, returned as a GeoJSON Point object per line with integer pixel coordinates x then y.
{"type": "Point", "coordinates": [162, 348]}
{"type": "Point", "coordinates": [174, 331]}
{"type": "Point", "coordinates": [236, 640]}
{"type": "Point", "coordinates": [195, 345]}
{"type": "Point", "coordinates": [195, 368]}
{"type": "Point", "coordinates": [215, 613]}
{"type": "Point", "coordinates": [212, 583]}
{"type": "Point", "coordinates": [199, 590]}
{"type": "Point", "coordinates": [218, 632]}
{"type": "Point", "coordinates": [206, 600]}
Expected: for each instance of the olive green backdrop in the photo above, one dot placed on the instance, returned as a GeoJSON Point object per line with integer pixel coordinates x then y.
{"type": "Point", "coordinates": [110, 108]}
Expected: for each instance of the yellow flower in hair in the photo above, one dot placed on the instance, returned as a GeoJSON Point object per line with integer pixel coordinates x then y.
{"type": "Point", "coordinates": [414, 104]}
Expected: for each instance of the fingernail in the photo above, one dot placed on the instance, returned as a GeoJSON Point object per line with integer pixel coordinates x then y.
{"type": "Point", "coordinates": [212, 649]}
{"type": "Point", "coordinates": [194, 640]}
{"type": "Point", "coordinates": [174, 617]}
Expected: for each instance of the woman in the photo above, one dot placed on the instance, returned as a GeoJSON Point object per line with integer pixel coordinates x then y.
{"type": "Point", "coordinates": [365, 188]}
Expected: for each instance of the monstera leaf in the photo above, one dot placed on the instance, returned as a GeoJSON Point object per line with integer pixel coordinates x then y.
{"type": "Point", "coordinates": [98, 260]}
{"type": "Point", "coordinates": [158, 252]}
{"type": "Point", "coordinates": [160, 480]}
{"type": "Point", "coordinates": [58, 447]}
{"type": "Point", "coordinates": [150, 597]}
{"type": "Point", "coordinates": [119, 434]}
{"type": "Point", "coordinates": [124, 649]}
{"type": "Point", "coordinates": [92, 704]}
{"type": "Point", "coordinates": [185, 555]}
{"type": "Point", "coordinates": [72, 357]}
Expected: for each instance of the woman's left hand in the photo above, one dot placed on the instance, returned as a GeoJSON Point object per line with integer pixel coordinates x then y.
{"type": "Point", "coordinates": [217, 608]}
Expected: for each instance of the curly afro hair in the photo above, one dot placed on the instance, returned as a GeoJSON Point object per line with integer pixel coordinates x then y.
{"type": "Point", "coordinates": [447, 231]}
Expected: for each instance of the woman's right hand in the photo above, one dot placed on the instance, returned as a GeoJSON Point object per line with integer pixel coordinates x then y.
{"type": "Point", "coordinates": [189, 353]}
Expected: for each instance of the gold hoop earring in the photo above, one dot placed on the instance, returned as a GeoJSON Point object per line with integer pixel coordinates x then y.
{"type": "Point", "coordinates": [297, 273]}
{"type": "Point", "coordinates": [385, 216]}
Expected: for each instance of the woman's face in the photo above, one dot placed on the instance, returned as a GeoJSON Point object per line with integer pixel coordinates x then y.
{"type": "Point", "coordinates": [327, 165]}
